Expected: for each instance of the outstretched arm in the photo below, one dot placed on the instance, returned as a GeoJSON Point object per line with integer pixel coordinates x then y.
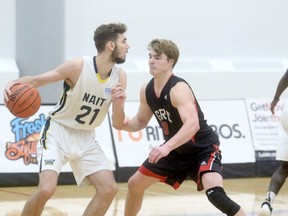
{"type": "Point", "coordinates": [68, 71]}
{"type": "Point", "coordinates": [187, 110]}
{"type": "Point", "coordinates": [118, 100]}
{"type": "Point", "coordinates": [143, 116]}
{"type": "Point", "coordinates": [282, 85]}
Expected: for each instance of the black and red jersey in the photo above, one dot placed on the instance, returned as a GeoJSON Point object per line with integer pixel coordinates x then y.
{"type": "Point", "coordinates": [169, 119]}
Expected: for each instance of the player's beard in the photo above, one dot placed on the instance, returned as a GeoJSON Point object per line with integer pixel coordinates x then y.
{"type": "Point", "coordinates": [116, 57]}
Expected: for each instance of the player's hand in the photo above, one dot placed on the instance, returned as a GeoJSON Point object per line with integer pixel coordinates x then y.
{"type": "Point", "coordinates": [7, 91]}
{"type": "Point", "coordinates": [157, 153]}
{"type": "Point", "coordinates": [118, 93]}
{"type": "Point", "coordinates": [272, 105]}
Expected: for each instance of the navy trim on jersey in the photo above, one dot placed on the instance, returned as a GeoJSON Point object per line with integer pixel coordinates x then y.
{"type": "Point", "coordinates": [66, 87]}
{"type": "Point", "coordinates": [94, 63]}
{"type": "Point", "coordinates": [96, 69]}
{"type": "Point", "coordinates": [43, 135]}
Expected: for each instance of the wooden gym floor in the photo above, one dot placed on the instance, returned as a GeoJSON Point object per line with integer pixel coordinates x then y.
{"type": "Point", "coordinates": [160, 199]}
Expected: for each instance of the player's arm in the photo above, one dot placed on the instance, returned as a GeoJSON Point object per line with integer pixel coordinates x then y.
{"type": "Point", "coordinates": [282, 85]}
{"type": "Point", "coordinates": [68, 71]}
{"type": "Point", "coordinates": [186, 106]}
{"type": "Point", "coordinates": [142, 117]}
{"type": "Point", "coordinates": [118, 100]}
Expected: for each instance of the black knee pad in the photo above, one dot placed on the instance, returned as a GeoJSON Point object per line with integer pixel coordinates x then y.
{"type": "Point", "coordinates": [220, 200]}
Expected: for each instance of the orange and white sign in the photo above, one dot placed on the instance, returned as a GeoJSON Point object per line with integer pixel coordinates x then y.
{"type": "Point", "coordinates": [133, 148]}
{"type": "Point", "coordinates": [227, 117]}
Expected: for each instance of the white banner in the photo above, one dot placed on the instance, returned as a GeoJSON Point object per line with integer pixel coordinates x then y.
{"type": "Point", "coordinates": [133, 148]}
{"type": "Point", "coordinates": [265, 127]}
{"type": "Point", "coordinates": [235, 121]}
{"type": "Point", "coordinates": [228, 119]}
{"type": "Point", "coordinates": [19, 137]}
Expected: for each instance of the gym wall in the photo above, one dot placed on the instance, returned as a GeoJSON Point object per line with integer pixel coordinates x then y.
{"type": "Point", "coordinates": [224, 44]}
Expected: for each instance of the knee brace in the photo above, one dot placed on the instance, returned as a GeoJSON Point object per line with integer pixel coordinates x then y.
{"type": "Point", "coordinates": [220, 200]}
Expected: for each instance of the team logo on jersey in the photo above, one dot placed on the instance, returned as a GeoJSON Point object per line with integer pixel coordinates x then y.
{"type": "Point", "coordinates": [210, 192]}
{"type": "Point", "coordinates": [203, 163]}
{"type": "Point", "coordinates": [107, 91]}
{"type": "Point", "coordinates": [49, 162]}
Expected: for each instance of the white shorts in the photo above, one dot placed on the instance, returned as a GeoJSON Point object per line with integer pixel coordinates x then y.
{"type": "Point", "coordinates": [282, 147]}
{"type": "Point", "coordinates": [60, 144]}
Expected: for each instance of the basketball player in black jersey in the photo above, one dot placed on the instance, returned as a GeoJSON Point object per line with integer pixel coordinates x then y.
{"type": "Point", "coordinates": [191, 147]}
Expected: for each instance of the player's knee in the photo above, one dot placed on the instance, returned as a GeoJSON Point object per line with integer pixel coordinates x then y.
{"type": "Point", "coordinates": [46, 193]}
{"type": "Point", "coordinates": [108, 191]}
{"type": "Point", "coordinates": [132, 185]}
{"type": "Point", "coordinates": [220, 200]}
{"type": "Point", "coordinates": [114, 189]}
{"type": "Point", "coordinates": [284, 166]}
{"type": "Point", "coordinates": [111, 190]}
{"type": "Point", "coordinates": [135, 186]}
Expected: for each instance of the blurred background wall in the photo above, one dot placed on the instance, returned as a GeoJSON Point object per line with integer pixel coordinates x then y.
{"type": "Point", "coordinates": [229, 49]}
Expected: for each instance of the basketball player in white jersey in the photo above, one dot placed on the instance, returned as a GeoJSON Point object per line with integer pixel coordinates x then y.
{"type": "Point", "coordinates": [90, 85]}
{"type": "Point", "coordinates": [280, 175]}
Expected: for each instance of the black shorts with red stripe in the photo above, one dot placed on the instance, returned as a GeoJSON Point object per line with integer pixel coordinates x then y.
{"type": "Point", "coordinates": [177, 167]}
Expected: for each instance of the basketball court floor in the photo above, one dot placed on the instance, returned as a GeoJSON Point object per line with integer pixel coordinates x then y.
{"type": "Point", "coordinates": [160, 199]}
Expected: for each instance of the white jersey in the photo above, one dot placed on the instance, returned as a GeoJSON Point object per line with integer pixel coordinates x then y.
{"type": "Point", "coordinates": [85, 106]}
{"type": "Point", "coordinates": [282, 147]}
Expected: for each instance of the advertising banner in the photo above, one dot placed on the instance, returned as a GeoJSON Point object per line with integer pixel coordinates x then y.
{"type": "Point", "coordinates": [227, 118]}
{"type": "Point", "coordinates": [19, 138]}
{"type": "Point", "coordinates": [245, 128]}
{"type": "Point", "coordinates": [265, 127]}
{"type": "Point", "coordinates": [133, 148]}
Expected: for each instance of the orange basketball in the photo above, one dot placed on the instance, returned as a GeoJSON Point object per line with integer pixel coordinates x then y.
{"type": "Point", "coordinates": [24, 100]}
